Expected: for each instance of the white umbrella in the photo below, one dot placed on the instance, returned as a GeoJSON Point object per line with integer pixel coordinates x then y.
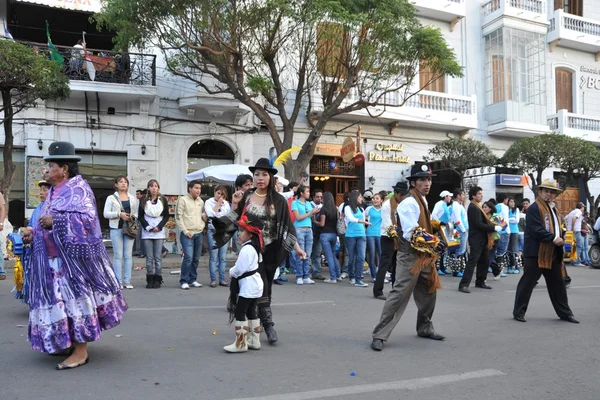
{"type": "Point", "coordinates": [220, 173]}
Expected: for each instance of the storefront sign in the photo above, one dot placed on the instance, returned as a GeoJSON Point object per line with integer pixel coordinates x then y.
{"type": "Point", "coordinates": [511, 180]}
{"type": "Point", "coordinates": [348, 149]}
{"type": "Point", "coordinates": [328, 149]}
{"type": "Point", "coordinates": [590, 82]}
{"type": "Point", "coordinates": [389, 153]}
{"type": "Point", "coordinates": [77, 5]}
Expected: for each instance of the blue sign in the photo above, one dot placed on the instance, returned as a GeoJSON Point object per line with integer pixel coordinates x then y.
{"type": "Point", "coordinates": [511, 180]}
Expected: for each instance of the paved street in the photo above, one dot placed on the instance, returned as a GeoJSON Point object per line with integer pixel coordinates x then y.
{"type": "Point", "coordinates": [165, 348]}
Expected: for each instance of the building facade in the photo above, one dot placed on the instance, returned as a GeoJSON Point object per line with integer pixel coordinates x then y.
{"type": "Point", "coordinates": [530, 67]}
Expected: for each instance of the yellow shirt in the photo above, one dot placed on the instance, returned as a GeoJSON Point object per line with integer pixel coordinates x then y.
{"type": "Point", "coordinates": [188, 214]}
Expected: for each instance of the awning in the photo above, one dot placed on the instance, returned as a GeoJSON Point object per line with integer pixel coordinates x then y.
{"type": "Point", "coordinates": [91, 6]}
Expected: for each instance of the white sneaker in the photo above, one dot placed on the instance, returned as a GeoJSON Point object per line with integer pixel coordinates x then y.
{"type": "Point", "coordinates": [299, 281]}
{"type": "Point", "coordinates": [308, 281]}
{"type": "Point", "coordinates": [196, 284]}
{"type": "Point", "coordinates": [361, 284]}
{"type": "Point", "coordinates": [339, 279]}
{"type": "Point", "coordinates": [344, 275]}
{"type": "Point", "coordinates": [497, 277]}
{"type": "Point", "coordinates": [352, 281]}
{"type": "Point", "coordinates": [330, 281]}
{"type": "Point", "coordinates": [128, 286]}
{"type": "Point", "coordinates": [185, 286]}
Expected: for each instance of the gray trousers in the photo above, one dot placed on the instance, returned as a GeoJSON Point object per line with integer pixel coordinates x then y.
{"type": "Point", "coordinates": [397, 300]}
{"type": "Point", "coordinates": [153, 256]}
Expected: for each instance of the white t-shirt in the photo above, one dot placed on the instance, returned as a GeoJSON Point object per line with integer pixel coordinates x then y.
{"type": "Point", "coordinates": [251, 287]}
{"type": "Point", "coordinates": [573, 220]}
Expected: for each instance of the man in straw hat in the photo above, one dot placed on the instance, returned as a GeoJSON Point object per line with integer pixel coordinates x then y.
{"type": "Point", "coordinates": [417, 253]}
{"type": "Point", "coordinates": [543, 255]}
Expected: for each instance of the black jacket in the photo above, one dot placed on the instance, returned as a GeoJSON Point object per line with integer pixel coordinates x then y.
{"type": "Point", "coordinates": [478, 226]}
{"type": "Point", "coordinates": [535, 231]}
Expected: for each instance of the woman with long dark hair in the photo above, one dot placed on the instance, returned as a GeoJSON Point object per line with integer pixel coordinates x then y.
{"type": "Point", "coordinates": [513, 223]}
{"type": "Point", "coordinates": [356, 241]}
{"type": "Point", "coordinates": [328, 217]}
{"type": "Point", "coordinates": [303, 213]}
{"type": "Point", "coordinates": [279, 234]}
{"type": "Point", "coordinates": [154, 214]}
{"type": "Point", "coordinates": [216, 207]}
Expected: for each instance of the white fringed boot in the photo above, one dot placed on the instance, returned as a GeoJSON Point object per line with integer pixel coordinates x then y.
{"type": "Point", "coordinates": [241, 335]}
{"type": "Point", "coordinates": [254, 334]}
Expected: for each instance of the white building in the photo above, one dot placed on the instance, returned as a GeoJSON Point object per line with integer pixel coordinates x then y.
{"type": "Point", "coordinates": [531, 67]}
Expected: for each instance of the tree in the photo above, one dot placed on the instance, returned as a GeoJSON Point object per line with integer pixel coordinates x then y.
{"type": "Point", "coordinates": [535, 154]}
{"type": "Point", "coordinates": [24, 77]}
{"type": "Point", "coordinates": [285, 57]}
{"type": "Point", "coordinates": [582, 158]}
{"type": "Point", "coordinates": [459, 155]}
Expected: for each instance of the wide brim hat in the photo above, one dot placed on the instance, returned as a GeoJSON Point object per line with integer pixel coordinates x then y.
{"type": "Point", "coordinates": [551, 184]}
{"type": "Point", "coordinates": [62, 151]}
{"type": "Point", "coordinates": [401, 187]}
{"type": "Point", "coordinates": [368, 194]}
{"type": "Point", "coordinates": [264, 164]}
{"type": "Point", "coordinates": [420, 171]}
{"type": "Point", "coordinates": [44, 183]}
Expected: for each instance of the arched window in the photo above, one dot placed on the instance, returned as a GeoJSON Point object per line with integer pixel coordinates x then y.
{"type": "Point", "coordinates": [564, 89]}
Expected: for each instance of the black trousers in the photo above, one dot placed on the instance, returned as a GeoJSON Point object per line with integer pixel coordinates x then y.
{"type": "Point", "coordinates": [478, 257]}
{"type": "Point", "coordinates": [245, 308]}
{"type": "Point", "coordinates": [386, 264]}
{"type": "Point", "coordinates": [557, 289]}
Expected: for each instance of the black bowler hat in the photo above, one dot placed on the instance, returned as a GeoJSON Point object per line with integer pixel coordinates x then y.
{"type": "Point", "coordinates": [264, 164]}
{"type": "Point", "coordinates": [401, 187]}
{"type": "Point", "coordinates": [62, 151]}
{"type": "Point", "coordinates": [420, 171]}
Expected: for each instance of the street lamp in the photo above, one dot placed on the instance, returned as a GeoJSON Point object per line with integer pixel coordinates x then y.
{"type": "Point", "coordinates": [372, 181]}
{"type": "Point", "coordinates": [40, 143]}
{"type": "Point", "coordinates": [143, 149]}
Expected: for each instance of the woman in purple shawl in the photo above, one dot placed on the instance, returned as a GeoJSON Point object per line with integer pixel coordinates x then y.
{"type": "Point", "coordinates": [73, 292]}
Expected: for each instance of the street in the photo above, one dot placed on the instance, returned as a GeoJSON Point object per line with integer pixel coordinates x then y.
{"type": "Point", "coordinates": [169, 346]}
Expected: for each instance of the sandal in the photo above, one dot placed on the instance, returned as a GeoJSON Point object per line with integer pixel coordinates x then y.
{"type": "Point", "coordinates": [213, 284]}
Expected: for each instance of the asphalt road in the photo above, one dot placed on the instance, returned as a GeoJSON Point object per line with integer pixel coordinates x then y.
{"type": "Point", "coordinates": [169, 346]}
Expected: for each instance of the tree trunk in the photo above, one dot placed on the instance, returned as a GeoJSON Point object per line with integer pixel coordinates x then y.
{"type": "Point", "coordinates": [9, 167]}
{"type": "Point", "coordinates": [294, 170]}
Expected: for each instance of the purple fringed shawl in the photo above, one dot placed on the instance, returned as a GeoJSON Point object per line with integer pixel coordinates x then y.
{"type": "Point", "coordinates": [76, 232]}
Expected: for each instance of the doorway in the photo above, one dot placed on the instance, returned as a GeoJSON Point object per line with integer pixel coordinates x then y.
{"type": "Point", "coordinates": [342, 178]}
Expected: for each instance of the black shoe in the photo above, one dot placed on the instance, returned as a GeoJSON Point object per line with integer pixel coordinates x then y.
{"type": "Point", "coordinates": [520, 318]}
{"type": "Point", "coordinates": [570, 318]}
{"type": "Point", "coordinates": [377, 344]}
{"type": "Point", "coordinates": [464, 289]}
{"type": "Point", "coordinates": [277, 282]}
{"type": "Point", "coordinates": [381, 297]}
{"type": "Point", "coordinates": [483, 286]}
{"type": "Point", "coordinates": [158, 280]}
{"type": "Point", "coordinates": [319, 277]}
{"type": "Point", "coordinates": [266, 318]}
{"type": "Point", "coordinates": [434, 336]}
{"type": "Point", "coordinates": [149, 281]}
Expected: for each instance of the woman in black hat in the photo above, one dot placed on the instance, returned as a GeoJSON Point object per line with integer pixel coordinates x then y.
{"type": "Point", "coordinates": [279, 234]}
{"type": "Point", "coordinates": [73, 291]}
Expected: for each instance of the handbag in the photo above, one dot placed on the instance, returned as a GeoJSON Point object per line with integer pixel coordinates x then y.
{"type": "Point", "coordinates": [130, 228]}
{"type": "Point", "coordinates": [341, 223]}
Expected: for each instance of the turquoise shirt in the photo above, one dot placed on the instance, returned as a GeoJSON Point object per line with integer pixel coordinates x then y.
{"type": "Point", "coordinates": [302, 208]}
{"type": "Point", "coordinates": [375, 219]}
{"type": "Point", "coordinates": [355, 229]}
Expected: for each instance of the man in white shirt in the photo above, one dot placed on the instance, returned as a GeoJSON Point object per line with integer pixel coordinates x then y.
{"type": "Point", "coordinates": [389, 244]}
{"type": "Point", "coordinates": [460, 220]}
{"type": "Point", "coordinates": [574, 220]}
{"type": "Point", "coordinates": [425, 281]}
{"type": "Point", "coordinates": [441, 208]}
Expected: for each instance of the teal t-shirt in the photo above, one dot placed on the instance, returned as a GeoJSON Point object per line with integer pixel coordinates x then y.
{"type": "Point", "coordinates": [375, 219]}
{"type": "Point", "coordinates": [355, 229]}
{"type": "Point", "coordinates": [302, 208]}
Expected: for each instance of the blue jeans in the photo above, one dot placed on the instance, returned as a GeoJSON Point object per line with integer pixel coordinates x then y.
{"type": "Point", "coordinates": [582, 254]}
{"type": "Point", "coordinates": [122, 249]}
{"type": "Point", "coordinates": [328, 241]}
{"type": "Point", "coordinates": [315, 259]}
{"type": "Point", "coordinates": [464, 240]}
{"type": "Point", "coordinates": [192, 248]}
{"type": "Point", "coordinates": [521, 242]}
{"type": "Point", "coordinates": [305, 241]}
{"type": "Point", "coordinates": [502, 245]}
{"type": "Point", "coordinates": [153, 256]}
{"type": "Point", "coordinates": [374, 246]}
{"type": "Point", "coordinates": [216, 258]}
{"type": "Point", "coordinates": [2, 271]}
{"type": "Point", "coordinates": [356, 248]}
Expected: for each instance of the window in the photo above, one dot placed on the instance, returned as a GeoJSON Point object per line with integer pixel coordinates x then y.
{"type": "Point", "coordinates": [574, 7]}
{"type": "Point", "coordinates": [564, 90]}
{"type": "Point", "coordinates": [514, 68]}
{"type": "Point", "coordinates": [427, 81]}
{"type": "Point", "coordinates": [333, 49]}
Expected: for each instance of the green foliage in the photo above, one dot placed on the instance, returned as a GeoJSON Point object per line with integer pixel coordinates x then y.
{"type": "Point", "coordinates": [462, 154]}
{"type": "Point", "coordinates": [28, 76]}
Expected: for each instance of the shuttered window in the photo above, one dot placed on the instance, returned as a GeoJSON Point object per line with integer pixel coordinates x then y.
{"type": "Point", "coordinates": [426, 81]}
{"type": "Point", "coordinates": [333, 44]}
{"type": "Point", "coordinates": [574, 7]}
{"type": "Point", "coordinates": [564, 90]}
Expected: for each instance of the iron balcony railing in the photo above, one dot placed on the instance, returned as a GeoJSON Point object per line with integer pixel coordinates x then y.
{"type": "Point", "coordinates": [109, 67]}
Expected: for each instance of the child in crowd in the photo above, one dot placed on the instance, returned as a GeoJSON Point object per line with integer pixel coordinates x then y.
{"type": "Point", "coordinates": [246, 286]}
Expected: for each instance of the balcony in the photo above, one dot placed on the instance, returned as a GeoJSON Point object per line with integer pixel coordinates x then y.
{"type": "Point", "coordinates": [524, 11]}
{"type": "Point", "coordinates": [576, 125]}
{"type": "Point", "coordinates": [450, 11]}
{"type": "Point", "coordinates": [572, 31]}
{"type": "Point", "coordinates": [433, 110]}
{"type": "Point", "coordinates": [128, 75]}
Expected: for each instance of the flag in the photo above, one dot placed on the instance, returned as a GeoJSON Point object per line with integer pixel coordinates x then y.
{"type": "Point", "coordinates": [54, 53]}
{"type": "Point", "coordinates": [6, 34]}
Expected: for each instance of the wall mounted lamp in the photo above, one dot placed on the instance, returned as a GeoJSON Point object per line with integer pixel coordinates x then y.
{"type": "Point", "coordinates": [40, 144]}
{"type": "Point", "coordinates": [143, 149]}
